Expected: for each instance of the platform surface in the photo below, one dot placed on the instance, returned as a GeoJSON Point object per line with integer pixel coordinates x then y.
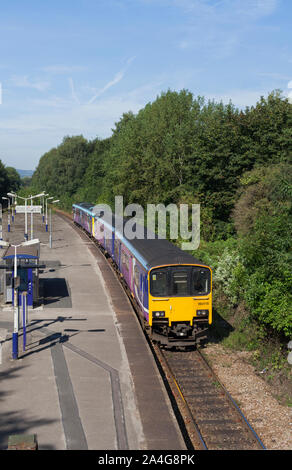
{"type": "Point", "coordinates": [87, 379]}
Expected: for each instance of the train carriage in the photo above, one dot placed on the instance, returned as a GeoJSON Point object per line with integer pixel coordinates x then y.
{"type": "Point", "coordinates": [82, 215]}
{"type": "Point", "coordinates": [172, 289]}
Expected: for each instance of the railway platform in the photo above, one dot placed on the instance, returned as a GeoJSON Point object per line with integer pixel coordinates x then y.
{"type": "Point", "coordinates": [87, 379]}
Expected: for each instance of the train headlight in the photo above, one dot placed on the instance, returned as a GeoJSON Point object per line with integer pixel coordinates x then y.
{"type": "Point", "coordinates": [158, 314]}
{"type": "Point", "coordinates": [202, 313]}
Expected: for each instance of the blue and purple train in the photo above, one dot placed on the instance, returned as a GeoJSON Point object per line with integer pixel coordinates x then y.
{"type": "Point", "coordinates": [170, 288]}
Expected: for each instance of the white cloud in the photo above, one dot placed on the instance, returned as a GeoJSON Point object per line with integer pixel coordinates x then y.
{"type": "Point", "coordinates": [218, 27]}
{"type": "Point", "coordinates": [228, 9]}
{"type": "Point", "coordinates": [117, 78]}
{"type": "Point", "coordinates": [240, 98]}
{"type": "Point", "coordinates": [41, 125]}
{"type": "Point", "coordinates": [62, 69]}
{"type": "Point", "coordinates": [184, 44]}
{"type": "Point", "coordinates": [274, 76]}
{"type": "Point", "coordinates": [34, 134]}
{"type": "Point", "coordinates": [289, 95]}
{"type": "Point", "coordinates": [254, 8]}
{"type": "Point", "coordinates": [51, 102]}
{"type": "Point", "coordinates": [73, 93]}
{"type": "Point", "coordinates": [22, 81]}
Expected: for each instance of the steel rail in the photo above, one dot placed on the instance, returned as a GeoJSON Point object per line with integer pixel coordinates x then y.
{"type": "Point", "coordinates": [261, 444]}
{"type": "Point", "coordinates": [219, 419]}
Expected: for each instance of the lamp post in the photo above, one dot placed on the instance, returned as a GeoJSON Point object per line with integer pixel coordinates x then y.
{"type": "Point", "coordinates": [47, 212]}
{"type": "Point", "coordinates": [43, 204]}
{"type": "Point", "coordinates": [53, 202]}
{"type": "Point", "coordinates": [13, 202]}
{"type": "Point", "coordinates": [31, 218]}
{"type": "Point", "coordinates": [7, 198]}
{"type": "Point", "coordinates": [15, 287]}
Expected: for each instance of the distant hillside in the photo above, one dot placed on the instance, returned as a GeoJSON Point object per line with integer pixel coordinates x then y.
{"type": "Point", "coordinates": [24, 173]}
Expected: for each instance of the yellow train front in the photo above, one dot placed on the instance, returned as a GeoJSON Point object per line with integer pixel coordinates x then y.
{"type": "Point", "coordinates": [180, 303]}
{"type": "Point", "coordinates": [175, 297]}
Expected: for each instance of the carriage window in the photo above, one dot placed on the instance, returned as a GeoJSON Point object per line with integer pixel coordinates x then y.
{"type": "Point", "coordinates": [180, 283]}
{"type": "Point", "coordinates": [201, 281]}
{"type": "Point", "coordinates": [136, 276]}
{"type": "Point", "coordinates": [117, 250]}
{"type": "Point", "coordinates": [108, 243]}
{"type": "Point", "coordinates": [125, 262]}
{"type": "Point", "coordinates": [158, 283]}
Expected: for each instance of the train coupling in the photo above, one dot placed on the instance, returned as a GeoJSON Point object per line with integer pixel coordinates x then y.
{"type": "Point", "coordinates": [181, 329]}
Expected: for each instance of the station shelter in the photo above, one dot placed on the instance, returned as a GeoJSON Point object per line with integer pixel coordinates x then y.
{"type": "Point", "coordinates": [27, 273]}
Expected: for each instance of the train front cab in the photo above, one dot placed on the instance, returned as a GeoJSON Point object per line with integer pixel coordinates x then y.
{"type": "Point", "coordinates": [180, 303]}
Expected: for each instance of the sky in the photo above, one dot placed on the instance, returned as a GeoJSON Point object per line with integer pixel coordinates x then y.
{"type": "Point", "coordinates": [72, 67]}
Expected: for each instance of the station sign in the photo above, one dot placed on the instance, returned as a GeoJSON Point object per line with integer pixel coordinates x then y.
{"type": "Point", "coordinates": [29, 209]}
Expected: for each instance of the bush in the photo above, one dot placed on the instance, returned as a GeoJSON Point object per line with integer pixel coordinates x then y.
{"type": "Point", "coordinates": [270, 303]}
{"type": "Point", "coordinates": [227, 273]}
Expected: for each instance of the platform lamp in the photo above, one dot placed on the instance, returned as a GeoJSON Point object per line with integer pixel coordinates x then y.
{"type": "Point", "coordinates": [47, 211]}
{"type": "Point", "coordinates": [43, 204]}
{"type": "Point", "coordinates": [13, 203]}
{"type": "Point", "coordinates": [51, 230]}
{"type": "Point", "coordinates": [7, 198]}
{"type": "Point", "coordinates": [15, 286]}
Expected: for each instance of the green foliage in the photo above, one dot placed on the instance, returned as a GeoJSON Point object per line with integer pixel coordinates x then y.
{"type": "Point", "coordinates": [244, 337]}
{"type": "Point", "coordinates": [4, 180]}
{"type": "Point", "coordinates": [257, 267]}
{"type": "Point", "coordinates": [14, 178]}
{"type": "Point", "coordinates": [267, 258]}
{"type": "Point", "coordinates": [229, 273]}
{"type": "Point", "coordinates": [268, 130]}
{"type": "Point", "coordinates": [92, 183]}
{"type": "Point", "coordinates": [212, 252]}
{"type": "Point", "coordinates": [9, 180]}
{"type": "Point", "coordinates": [264, 190]}
{"type": "Point", "coordinates": [26, 181]}
{"type": "Point", "coordinates": [60, 171]}
{"type": "Point", "coordinates": [263, 216]}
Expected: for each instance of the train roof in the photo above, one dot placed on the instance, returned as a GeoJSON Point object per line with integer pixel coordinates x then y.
{"type": "Point", "coordinates": [85, 205]}
{"type": "Point", "coordinates": [151, 250]}
{"type": "Point", "coordinates": [159, 252]}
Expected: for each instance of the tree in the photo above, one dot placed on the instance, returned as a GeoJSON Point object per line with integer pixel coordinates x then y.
{"type": "Point", "coordinates": [4, 180]}
{"type": "Point", "coordinates": [263, 217]}
{"type": "Point", "coordinates": [61, 170]}
{"type": "Point", "coordinates": [14, 178]}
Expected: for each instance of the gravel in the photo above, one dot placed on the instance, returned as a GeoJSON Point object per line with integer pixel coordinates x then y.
{"type": "Point", "coordinates": [271, 420]}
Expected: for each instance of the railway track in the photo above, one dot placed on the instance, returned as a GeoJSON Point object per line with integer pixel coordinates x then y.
{"type": "Point", "coordinates": [211, 418]}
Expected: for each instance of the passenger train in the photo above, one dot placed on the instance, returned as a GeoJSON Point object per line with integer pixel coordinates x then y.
{"type": "Point", "coordinates": [172, 289]}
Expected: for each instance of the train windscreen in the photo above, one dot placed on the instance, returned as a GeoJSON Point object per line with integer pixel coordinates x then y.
{"type": "Point", "coordinates": [180, 281]}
